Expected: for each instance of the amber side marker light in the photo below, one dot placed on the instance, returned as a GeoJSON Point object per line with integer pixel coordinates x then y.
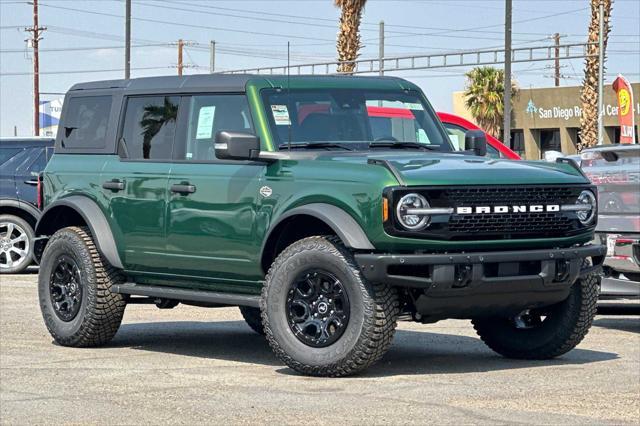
{"type": "Point", "coordinates": [385, 209]}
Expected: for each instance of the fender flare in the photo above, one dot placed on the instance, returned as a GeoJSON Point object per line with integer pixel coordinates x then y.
{"type": "Point", "coordinates": [22, 205]}
{"type": "Point", "coordinates": [342, 223]}
{"type": "Point", "coordinates": [94, 218]}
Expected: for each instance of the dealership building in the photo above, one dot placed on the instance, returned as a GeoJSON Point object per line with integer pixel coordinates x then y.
{"type": "Point", "coordinates": [548, 119]}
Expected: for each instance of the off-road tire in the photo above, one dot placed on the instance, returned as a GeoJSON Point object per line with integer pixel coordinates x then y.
{"type": "Point", "coordinates": [101, 310]}
{"type": "Point", "coordinates": [562, 331]}
{"type": "Point", "coordinates": [253, 318]}
{"type": "Point", "coordinates": [373, 311]}
{"type": "Point", "coordinates": [28, 258]}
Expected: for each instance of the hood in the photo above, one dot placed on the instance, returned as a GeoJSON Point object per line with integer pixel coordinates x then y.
{"type": "Point", "coordinates": [457, 169]}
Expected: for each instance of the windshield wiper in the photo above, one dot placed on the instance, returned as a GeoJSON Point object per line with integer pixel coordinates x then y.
{"type": "Point", "coordinates": [312, 145]}
{"type": "Point", "coordinates": [401, 145]}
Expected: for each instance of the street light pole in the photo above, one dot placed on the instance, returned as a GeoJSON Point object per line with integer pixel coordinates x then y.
{"type": "Point", "coordinates": [507, 74]}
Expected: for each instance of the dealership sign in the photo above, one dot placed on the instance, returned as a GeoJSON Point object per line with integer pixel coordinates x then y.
{"type": "Point", "coordinates": [50, 116]}
{"type": "Point", "coordinates": [625, 109]}
{"type": "Point", "coordinates": [569, 112]}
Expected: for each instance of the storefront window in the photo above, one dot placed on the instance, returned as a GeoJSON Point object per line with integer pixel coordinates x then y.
{"type": "Point", "coordinates": [517, 142]}
{"type": "Point", "coordinates": [549, 141]}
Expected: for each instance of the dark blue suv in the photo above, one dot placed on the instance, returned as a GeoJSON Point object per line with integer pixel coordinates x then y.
{"type": "Point", "coordinates": [21, 161]}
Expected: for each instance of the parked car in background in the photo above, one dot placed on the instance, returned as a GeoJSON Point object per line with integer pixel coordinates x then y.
{"type": "Point", "coordinates": [615, 169]}
{"type": "Point", "coordinates": [21, 161]}
{"type": "Point", "coordinates": [458, 126]}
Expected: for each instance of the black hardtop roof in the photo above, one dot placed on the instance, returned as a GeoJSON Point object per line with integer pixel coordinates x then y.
{"type": "Point", "coordinates": [210, 82]}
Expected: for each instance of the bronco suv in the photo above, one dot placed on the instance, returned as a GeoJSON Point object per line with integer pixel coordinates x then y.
{"type": "Point", "coordinates": [281, 196]}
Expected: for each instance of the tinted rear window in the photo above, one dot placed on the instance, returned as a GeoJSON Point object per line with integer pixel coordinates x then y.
{"type": "Point", "coordinates": [149, 127]}
{"type": "Point", "coordinates": [86, 121]}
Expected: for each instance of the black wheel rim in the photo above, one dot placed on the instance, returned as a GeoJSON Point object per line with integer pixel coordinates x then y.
{"type": "Point", "coordinates": [65, 288]}
{"type": "Point", "coordinates": [529, 319]}
{"type": "Point", "coordinates": [317, 308]}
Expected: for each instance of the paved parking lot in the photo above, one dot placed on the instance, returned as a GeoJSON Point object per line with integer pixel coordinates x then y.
{"type": "Point", "coordinates": [191, 365]}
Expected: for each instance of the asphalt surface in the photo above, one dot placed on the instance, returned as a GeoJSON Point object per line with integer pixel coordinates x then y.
{"type": "Point", "coordinates": [193, 365]}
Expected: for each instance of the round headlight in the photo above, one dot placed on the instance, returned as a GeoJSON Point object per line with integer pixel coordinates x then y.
{"type": "Point", "coordinates": [586, 198]}
{"type": "Point", "coordinates": [412, 221]}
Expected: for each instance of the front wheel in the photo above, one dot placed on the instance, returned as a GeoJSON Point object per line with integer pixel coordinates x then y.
{"type": "Point", "coordinates": [544, 333]}
{"type": "Point", "coordinates": [320, 316]}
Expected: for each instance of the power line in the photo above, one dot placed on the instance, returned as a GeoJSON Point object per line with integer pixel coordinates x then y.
{"type": "Point", "coordinates": [179, 24]}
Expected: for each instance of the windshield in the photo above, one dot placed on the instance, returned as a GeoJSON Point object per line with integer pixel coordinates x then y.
{"type": "Point", "coordinates": [353, 119]}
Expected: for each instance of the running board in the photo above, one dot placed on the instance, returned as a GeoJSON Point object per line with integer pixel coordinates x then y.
{"type": "Point", "coordinates": [180, 294]}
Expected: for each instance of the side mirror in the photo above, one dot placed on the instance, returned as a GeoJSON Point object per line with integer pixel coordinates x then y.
{"type": "Point", "coordinates": [476, 141]}
{"type": "Point", "coordinates": [236, 146]}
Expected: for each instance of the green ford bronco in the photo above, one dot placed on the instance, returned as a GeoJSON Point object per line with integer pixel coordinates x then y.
{"type": "Point", "coordinates": [326, 208]}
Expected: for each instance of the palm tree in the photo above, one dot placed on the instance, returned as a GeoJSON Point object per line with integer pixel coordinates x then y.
{"type": "Point", "coordinates": [348, 42]}
{"type": "Point", "coordinates": [153, 119]}
{"type": "Point", "coordinates": [589, 93]}
{"type": "Point", "coordinates": [484, 98]}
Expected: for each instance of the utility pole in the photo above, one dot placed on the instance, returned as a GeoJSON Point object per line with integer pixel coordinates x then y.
{"type": "Point", "coordinates": [507, 74]}
{"type": "Point", "coordinates": [15, 130]}
{"type": "Point", "coordinates": [556, 39]}
{"type": "Point", "coordinates": [381, 48]}
{"type": "Point", "coordinates": [180, 47]}
{"type": "Point", "coordinates": [35, 39]}
{"type": "Point", "coordinates": [127, 40]}
{"type": "Point", "coordinates": [212, 57]}
{"type": "Point", "coordinates": [600, 72]}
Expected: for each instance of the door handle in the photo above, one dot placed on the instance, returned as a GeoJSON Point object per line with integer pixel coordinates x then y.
{"type": "Point", "coordinates": [113, 185]}
{"type": "Point", "coordinates": [183, 188]}
{"type": "Point", "coordinates": [31, 182]}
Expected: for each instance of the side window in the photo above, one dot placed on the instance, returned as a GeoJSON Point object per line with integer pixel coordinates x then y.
{"type": "Point", "coordinates": [86, 122]}
{"type": "Point", "coordinates": [38, 165]}
{"type": "Point", "coordinates": [209, 114]}
{"type": "Point", "coordinates": [149, 128]}
{"type": "Point", "coordinates": [7, 153]}
{"type": "Point", "coordinates": [456, 135]}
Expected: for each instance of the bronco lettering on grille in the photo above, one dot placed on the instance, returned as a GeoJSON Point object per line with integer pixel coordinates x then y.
{"type": "Point", "coordinates": [509, 209]}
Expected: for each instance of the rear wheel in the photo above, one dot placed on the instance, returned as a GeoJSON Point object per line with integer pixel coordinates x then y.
{"type": "Point", "coordinates": [320, 316]}
{"type": "Point", "coordinates": [74, 289]}
{"type": "Point", "coordinates": [546, 332]}
{"type": "Point", "coordinates": [16, 244]}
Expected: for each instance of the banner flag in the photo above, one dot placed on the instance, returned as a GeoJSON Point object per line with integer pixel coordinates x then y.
{"type": "Point", "coordinates": [622, 87]}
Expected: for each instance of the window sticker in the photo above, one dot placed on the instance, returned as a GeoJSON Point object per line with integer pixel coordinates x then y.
{"type": "Point", "coordinates": [414, 106]}
{"type": "Point", "coordinates": [205, 122]}
{"type": "Point", "coordinates": [280, 115]}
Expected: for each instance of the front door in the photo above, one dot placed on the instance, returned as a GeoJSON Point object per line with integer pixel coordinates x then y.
{"type": "Point", "coordinates": [136, 182]}
{"type": "Point", "coordinates": [211, 220]}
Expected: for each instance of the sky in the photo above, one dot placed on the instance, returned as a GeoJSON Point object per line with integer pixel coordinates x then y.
{"type": "Point", "coordinates": [84, 40]}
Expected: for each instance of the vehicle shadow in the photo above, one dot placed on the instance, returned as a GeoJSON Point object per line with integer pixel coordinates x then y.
{"type": "Point", "coordinates": [412, 352]}
{"type": "Point", "coordinates": [623, 324]}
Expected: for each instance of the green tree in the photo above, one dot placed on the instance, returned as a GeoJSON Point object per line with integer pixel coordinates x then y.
{"type": "Point", "coordinates": [348, 43]}
{"type": "Point", "coordinates": [484, 98]}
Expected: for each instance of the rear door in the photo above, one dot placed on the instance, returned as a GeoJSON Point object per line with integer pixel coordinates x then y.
{"type": "Point", "coordinates": [26, 176]}
{"type": "Point", "coordinates": [135, 182]}
{"type": "Point", "coordinates": [212, 208]}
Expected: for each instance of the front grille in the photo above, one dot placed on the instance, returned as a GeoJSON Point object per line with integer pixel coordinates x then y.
{"type": "Point", "coordinates": [545, 223]}
{"type": "Point", "coordinates": [508, 195]}
{"type": "Point", "coordinates": [496, 226]}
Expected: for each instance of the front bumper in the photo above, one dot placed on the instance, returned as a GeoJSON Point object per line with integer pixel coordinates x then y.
{"type": "Point", "coordinates": [467, 285]}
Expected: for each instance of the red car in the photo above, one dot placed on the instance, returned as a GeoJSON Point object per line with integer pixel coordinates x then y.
{"type": "Point", "coordinates": [457, 126]}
